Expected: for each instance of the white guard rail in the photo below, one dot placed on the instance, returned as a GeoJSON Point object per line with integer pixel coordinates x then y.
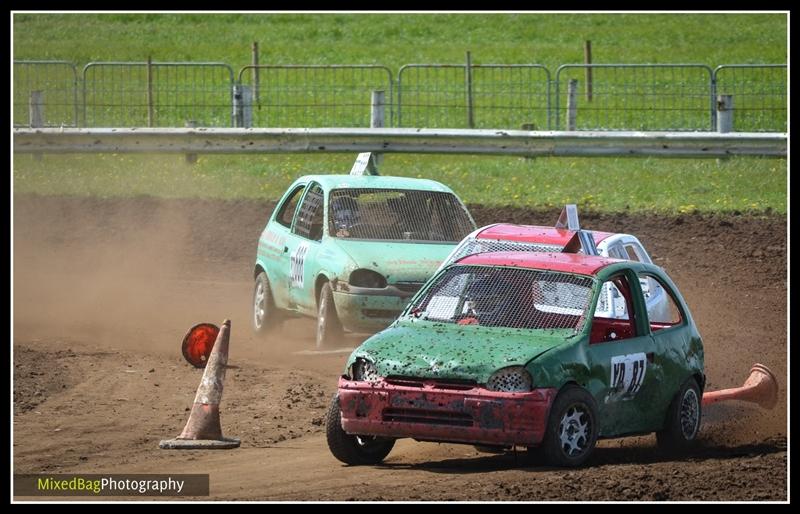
{"type": "Point", "coordinates": [383, 140]}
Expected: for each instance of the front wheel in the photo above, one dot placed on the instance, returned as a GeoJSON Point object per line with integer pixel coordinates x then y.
{"type": "Point", "coordinates": [352, 449]}
{"type": "Point", "coordinates": [329, 328]}
{"type": "Point", "coordinates": [264, 312]}
{"type": "Point", "coordinates": [683, 419]}
{"type": "Point", "coordinates": [571, 429]}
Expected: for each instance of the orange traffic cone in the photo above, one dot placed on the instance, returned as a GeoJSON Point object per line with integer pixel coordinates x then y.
{"type": "Point", "coordinates": [761, 387]}
{"type": "Point", "coordinates": [203, 430]}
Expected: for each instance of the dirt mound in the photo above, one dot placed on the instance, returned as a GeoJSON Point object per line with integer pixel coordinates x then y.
{"type": "Point", "coordinates": [104, 290]}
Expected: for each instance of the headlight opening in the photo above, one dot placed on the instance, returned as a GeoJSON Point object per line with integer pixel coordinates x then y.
{"type": "Point", "coordinates": [514, 379]}
{"type": "Point", "coordinates": [365, 371]}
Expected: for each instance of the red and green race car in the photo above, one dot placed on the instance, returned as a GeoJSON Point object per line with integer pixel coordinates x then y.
{"type": "Point", "coordinates": [514, 349]}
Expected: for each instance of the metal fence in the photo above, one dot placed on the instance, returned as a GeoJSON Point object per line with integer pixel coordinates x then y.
{"type": "Point", "coordinates": [637, 97]}
{"type": "Point", "coordinates": [760, 95]}
{"type": "Point", "coordinates": [474, 96]}
{"type": "Point", "coordinates": [164, 94]}
{"type": "Point", "coordinates": [664, 97]}
{"type": "Point", "coordinates": [54, 84]}
{"type": "Point", "coordinates": [313, 96]}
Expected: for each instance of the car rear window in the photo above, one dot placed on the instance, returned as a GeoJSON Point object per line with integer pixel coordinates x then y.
{"type": "Point", "coordinates": [398, 215]}
{"type": "Point", "coordinates": [506, 297]}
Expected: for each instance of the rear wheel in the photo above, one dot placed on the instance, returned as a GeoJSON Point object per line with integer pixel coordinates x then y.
{"type": "Point", "coordinates": [329, 328]}
{"type": "Point", "coordinates": [265, 314]}
{"type": "Point", "coordinates": [571, 429]}
{"type": "Point", "coordinates": [683, 419]}
{"type": "Point", "coordinates": [352, 449]}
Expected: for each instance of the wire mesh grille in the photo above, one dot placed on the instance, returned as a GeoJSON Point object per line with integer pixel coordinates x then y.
{"type": "Point", "coordinates": [760, 96]}
{"type": "Point", "coordinates": [472, 246]}
{"type": "Point", "coordinates": [637, 97]}
{"type": "Point", "coordinates": [508, 96]}
{"type": "Point", "coordinates": [398, 215]}
{"type": "Point", "coordinates": [122, 94]}
{"type": "Point", "coordinates": [507, 297]}
{"type": "Point", "coordinates": [316, 96]}
{"type": "Point", "coordinates": [310, 219]}
{"type": "Point", "coordinates": [58, 84]}
{"type": "Point", "coordinates": [514, 379]}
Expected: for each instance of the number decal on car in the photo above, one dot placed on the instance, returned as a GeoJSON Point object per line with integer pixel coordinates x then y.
{"type": "Point", "coordinates": [297, 262]}
{"type": "Point", "coordinates": [627, 375]}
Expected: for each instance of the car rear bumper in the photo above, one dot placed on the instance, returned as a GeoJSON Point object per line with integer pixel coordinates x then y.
{"type": "Point", "coordinates": [441, 411]}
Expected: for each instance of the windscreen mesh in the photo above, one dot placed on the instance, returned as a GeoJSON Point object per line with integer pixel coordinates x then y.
{"type": "Point", "coordinates": [472, 246]}
{"type": "Point", "coordinates": [506, 297]}
{"type": "Point", "coordinates": [398, 215]}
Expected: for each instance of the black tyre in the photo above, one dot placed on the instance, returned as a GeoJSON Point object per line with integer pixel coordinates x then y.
{"type": "Point", "coordinates": [351, 449]}
{"type": "Point", "coordinates": [265, 315]}
{"type": "Point", "coordinates": [682, 422]}
{"type": "Point", "coordinates": [329, 328]}
{"type": "Point", "coordinates": [571, 429]}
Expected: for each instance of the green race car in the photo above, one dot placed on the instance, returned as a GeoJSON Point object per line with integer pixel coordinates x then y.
{"type": "Point", "coordinates": [520, 349]}
{"type": "Point", "coordinates": [351, 250]}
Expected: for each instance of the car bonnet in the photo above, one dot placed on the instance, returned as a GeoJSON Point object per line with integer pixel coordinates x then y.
{"type": "Point", "coordinates": [411, 348]}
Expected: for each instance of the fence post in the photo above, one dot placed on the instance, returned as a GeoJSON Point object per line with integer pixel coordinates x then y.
{"type": "Point", "coordinates": [470, 118]}
{"type": "Point", "coordinates": [378, 109]}
{"type": "Point", "coordinates": [36, 117]}
{"type": "Point", "coordinates": [377, 117]}
{"type": "Point", "coordinates": [237, 105]}
{"type": "Point", "coordinates": [725, 113]}
{"type": "Point", "coordinates": [191, 158]}
{"type": "Point", "coordinates": [255, 72]}
{"type": "Point", "coordinates": [35, 107]}
{"type": "Point", "coordinates": [587, 60]}
{"type": "Point", "coordinates": [572, 104]}
{"type": "Point", "coordinates": [527, 126]}
{"type": "Point", "coordinates": [149, 91]}
{"type": "Point", "coordinates": [242, 106]}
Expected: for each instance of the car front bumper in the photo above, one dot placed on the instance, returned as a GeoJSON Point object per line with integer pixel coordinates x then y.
{"type": "Point", "coordinates": [440, 411]}
{"type": "Point", "coordinates": [370, 310]}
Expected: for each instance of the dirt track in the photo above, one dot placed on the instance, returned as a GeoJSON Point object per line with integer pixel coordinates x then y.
{"type": "Point", "coordinates": [105, 289]}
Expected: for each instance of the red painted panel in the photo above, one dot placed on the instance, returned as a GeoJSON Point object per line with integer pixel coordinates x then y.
{"type": "Point", "coordinates": [554, 261]}
{"type": "Point", "coordinates": [534, 234]}
{"type": "Point", "coordinates": [474, 415]}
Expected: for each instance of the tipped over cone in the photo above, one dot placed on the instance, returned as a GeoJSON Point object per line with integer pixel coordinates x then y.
{"type": "Point", "coordinates": [203, 430]}
{"type": "Point", "coordinates": [198, 343]}
{"type": "Point", "coordinates": [761, 387]}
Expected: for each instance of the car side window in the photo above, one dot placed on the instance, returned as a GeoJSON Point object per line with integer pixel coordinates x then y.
{"type": "Point", "coordinates": [632, 253]}
{"type": "Point", "coordinates": [616, 252]}
{"type": "Point", "coordinates": [614, 317]}
{"type": "Point", "coordinates": [286, 211]}
{"type": "Point", "coordinates": [309, 218]}
{"type": "Point", "coordinates": [664, 313]}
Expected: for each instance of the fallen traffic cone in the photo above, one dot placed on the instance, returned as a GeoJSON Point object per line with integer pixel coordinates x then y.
{"type": "Point", "coordinates": [761, 387]}
{"type": "Point", "coordinates": [203, 430]}
{"type": "Point", "coordinates": [198, 343]}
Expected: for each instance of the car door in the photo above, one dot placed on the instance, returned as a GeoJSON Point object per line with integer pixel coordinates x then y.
{"type": "Point", "coordinates": [272, 245]}
{"type": "Point", "coordinates": [302, 248]}
{"type": "Point", "coordinates": [669, 328]}
{"type": "Point", "coordinates": [621, 350]}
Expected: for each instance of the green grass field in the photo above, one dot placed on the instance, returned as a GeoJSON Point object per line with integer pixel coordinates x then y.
{"type": "Point", "coordinates": [606, 184]}
{"type": "Point", "coordinates": [394, 40]}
